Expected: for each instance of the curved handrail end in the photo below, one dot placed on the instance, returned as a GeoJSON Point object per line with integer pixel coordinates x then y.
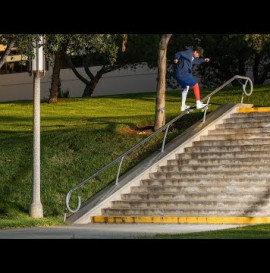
{"type": "Point", "coordinates": [67, 203]}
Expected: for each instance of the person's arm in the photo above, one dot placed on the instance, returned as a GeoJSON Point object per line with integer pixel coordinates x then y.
{"type": "Point", "coordinates": [200, 60]}
{"type": "Point", "coordinates": [176, 57]}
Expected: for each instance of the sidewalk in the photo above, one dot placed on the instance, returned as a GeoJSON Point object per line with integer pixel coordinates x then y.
{"type": "Point", "coordinates": [107, 231]}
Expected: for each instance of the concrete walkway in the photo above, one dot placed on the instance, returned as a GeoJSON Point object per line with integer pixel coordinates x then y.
{"type": "Point", "coordinates": [107, 231]}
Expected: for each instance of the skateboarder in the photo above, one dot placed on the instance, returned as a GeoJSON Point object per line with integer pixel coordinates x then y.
{"type": "Point", "coordinates": [183, 62]}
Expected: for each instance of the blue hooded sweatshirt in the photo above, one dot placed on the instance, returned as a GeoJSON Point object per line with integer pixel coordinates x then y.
{"type": "Point", "coordinates": [183, 68]}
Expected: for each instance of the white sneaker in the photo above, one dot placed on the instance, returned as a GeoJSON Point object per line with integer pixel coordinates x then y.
{"type": "Point", "coordinates": [199, 104]}
{"type": "Point", "coordinates": [184, 107]}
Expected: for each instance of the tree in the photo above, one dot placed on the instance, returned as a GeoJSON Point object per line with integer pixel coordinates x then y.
{"type": "Point", "coordinates": [20, 41]}
{"type": "Point", "coordinates": [61, 48]}
{"type": "Point", "coordinates": [101, 47]}
{"type": "Point", "coordinates": [23, 43]}
{"type": "Point", "coordinates": [233, 54]}
{"type": "Point", "coordinates": [161, 81]}
{"type": "Point", "coordinates": [260, 57]}
{"type": "Point", "coordinates": [229, 55]}
{"type": "Point", "coordinates": [94, 49]}
{"type": "Point", "coordinates": [140, 48]}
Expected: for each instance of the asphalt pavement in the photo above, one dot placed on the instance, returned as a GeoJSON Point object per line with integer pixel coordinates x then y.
{"type": "Point", "coordinates": [107, 231]}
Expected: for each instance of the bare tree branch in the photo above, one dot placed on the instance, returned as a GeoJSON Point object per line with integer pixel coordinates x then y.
{"type": "Point", "coordinates": [6, 53]}
{"type": "Point", "coordinates": [86, 68]}
{"type": "Point", "coordinates": [110, 68]}
{"type": "Point", "coordinates": [70, 63]}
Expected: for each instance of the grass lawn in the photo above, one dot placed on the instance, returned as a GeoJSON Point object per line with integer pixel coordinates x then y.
{"type": "Point", "coordinates": [78, 137]}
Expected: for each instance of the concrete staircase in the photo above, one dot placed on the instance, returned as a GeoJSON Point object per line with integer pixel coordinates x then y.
{"type": "Point", "coordinates": [223, 175]}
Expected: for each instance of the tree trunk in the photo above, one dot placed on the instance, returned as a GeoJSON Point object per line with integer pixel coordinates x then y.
{"type": "Point", "coordinates": [256, 68]}
{"type": "Point", "coordinates": [91, 84]}
{"type": "Point", "coordinates": [260, 75]}
{"type": "Point", "coordinates": [6, 53]}
{"type": "Point", "coordinates": [161, 81]}
{"type": "Point", "coordinates": [90, 87]}
{"type": "Point", "coordinates": [265, 72]}
{"type": "Point", "coordinates": [242, 66]}
{"type": "Point", "coordinates": [56, 75]}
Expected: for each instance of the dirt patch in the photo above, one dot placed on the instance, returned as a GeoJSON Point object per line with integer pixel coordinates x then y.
{"type": "Point", "coordinates": [144, 130]}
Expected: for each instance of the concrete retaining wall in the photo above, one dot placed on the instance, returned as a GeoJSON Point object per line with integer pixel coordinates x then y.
{"type": "Point", "coordinates": [19, 86]}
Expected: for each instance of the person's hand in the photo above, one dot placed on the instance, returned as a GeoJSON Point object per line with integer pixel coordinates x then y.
{"type": "Point", "coordinates": [207, 60]}
{"type": "Point", "coordinates": [175, 61]}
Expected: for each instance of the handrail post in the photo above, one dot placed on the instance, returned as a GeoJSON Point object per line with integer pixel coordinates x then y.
{"type": "Point", "coordinates": [164, 139]}
{"type": "Point", "coordinates": [118, 171]}
{"type": "Point", "coordinates": [244, 88]}
{"type": "Point", "coordinates": [242, 98]}
{"type": "Point", "coordinates": [205, 110]}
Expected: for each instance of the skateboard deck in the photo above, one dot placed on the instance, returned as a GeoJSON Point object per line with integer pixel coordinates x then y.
{"type": "Point", "coordinates": [194, 108]}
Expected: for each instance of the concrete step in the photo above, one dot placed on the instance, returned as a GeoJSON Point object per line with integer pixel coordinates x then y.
{"type": "Point", "coordinates": [209, 182]}
{"type": "Point", "coordinates": [222, 148]}
{"type": "Point", "coordinates": [165, 196]}
{"type": "Point", "coordinates": [202, 189]}
{"type": "Point", "coordinates": [247, 119]}
{"type": "Point", "coordinates": [238, 125]}
{"type": "Point", "coordinates": [238, 142]}
{"type": "Point", "coordinates": [210, 168]}
{"type": "Point", "coordinates": [211, 205]}
{"type": "Point", "coordinates": [252, 212]}
{"type": "Point", "coordinates": [258, 141]}
{"type": "Point", "coordinates": [220, 161]}
{"type": "Point", "coordinates": [239, 131]}
{"type": "Point", "coordinates": [223, 155]}
{"type": "Point", "coordinates": [213, 174]}
{"type": "Point", "coordinates": [250, 115]}
{"type": "Point", "coordinates": [237, 136]}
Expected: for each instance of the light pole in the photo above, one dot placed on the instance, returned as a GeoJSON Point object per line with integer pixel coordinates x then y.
{"type": "Point", "coordinates": [38, 66]}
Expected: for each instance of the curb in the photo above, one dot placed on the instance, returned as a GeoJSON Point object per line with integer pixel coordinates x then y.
{"type": "Point", "coordinates": [253, 110]}
{"type": "Point", "coordinates": [179, 220]}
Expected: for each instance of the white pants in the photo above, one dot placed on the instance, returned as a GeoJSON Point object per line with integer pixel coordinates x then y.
{"type": "Point", "coordinates": [184, 95]}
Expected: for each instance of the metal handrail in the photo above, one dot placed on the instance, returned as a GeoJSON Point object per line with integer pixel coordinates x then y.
{"type": "Point", "coordinates": [166, 126]}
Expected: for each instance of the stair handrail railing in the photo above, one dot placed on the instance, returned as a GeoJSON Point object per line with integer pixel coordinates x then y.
{"type": "Point", "coordinates": [164, 127]}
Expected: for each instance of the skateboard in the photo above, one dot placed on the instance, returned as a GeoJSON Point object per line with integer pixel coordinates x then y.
{"type": "Point", "coordinates": [194, 108]}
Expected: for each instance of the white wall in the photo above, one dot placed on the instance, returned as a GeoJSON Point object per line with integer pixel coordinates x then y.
{"type": "Point", "coordinates": [19, 86]}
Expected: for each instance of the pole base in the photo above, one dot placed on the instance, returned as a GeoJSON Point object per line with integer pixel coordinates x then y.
{"type": "Point", "coordinates": [36, 211]}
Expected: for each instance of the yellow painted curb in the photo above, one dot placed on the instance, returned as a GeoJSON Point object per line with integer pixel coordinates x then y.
{"type": "Point", "coordinates": [179, 220]}
{"type": "Point", "coordinates": [253, 110]}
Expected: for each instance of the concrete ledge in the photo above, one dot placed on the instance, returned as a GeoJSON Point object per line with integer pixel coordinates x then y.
{"type": "Point", "coordinates": [179, 220]}
{"type": "Point", "coordinates": [151, 164]}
